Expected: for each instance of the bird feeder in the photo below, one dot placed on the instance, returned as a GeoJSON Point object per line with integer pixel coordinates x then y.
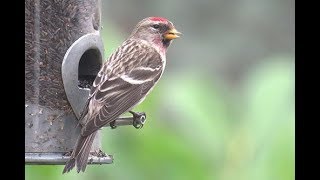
{"type": "Point", "coordinates": [63, 54]}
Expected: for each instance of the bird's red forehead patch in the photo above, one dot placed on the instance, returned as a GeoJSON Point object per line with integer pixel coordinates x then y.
{"type": "Point", "coordinates": [161, 19]}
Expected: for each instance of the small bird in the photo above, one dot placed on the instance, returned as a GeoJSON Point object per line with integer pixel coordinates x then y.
{"type": "Point", "coordinates": [123, 82]}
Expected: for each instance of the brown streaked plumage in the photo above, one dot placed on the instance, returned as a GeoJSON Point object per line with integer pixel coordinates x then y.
{"type": "Point", "coordinates": [124, 81]}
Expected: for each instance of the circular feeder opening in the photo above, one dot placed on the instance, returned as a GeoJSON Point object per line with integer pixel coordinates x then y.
{"type": "Point", "coordinates": [89, 66]}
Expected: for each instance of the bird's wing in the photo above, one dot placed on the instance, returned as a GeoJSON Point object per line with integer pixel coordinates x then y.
{"type": "Point", "coordinates": [121, 84]}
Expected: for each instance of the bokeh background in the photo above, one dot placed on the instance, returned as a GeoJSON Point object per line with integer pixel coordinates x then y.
{"type": "Point", "coordinates": [224, 108]}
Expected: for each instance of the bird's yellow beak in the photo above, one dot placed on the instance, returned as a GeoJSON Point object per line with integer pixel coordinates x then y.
{"type": "Point", "coordinates": [172, 34]}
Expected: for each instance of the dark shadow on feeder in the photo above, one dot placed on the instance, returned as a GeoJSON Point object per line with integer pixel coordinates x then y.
{"type": "Point", "coordinates": [89, 66]}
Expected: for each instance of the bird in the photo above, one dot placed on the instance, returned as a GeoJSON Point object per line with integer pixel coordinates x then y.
{"type": "Point", "coordinates": [124, 80]}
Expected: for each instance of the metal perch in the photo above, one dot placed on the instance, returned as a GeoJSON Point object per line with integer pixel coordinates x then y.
{"type": "Point", "coordinates": [138, 119]}
{"type": "Point", "coordinates": [60, 159]}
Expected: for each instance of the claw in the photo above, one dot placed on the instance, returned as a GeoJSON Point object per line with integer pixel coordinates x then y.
{"type": "Point", "coordinates": [68, 153]}
{"type": "Point", "coordinates": [139, 118]}
{"type": "Point", "coordinates": [137, 125]}
{"type": "Point", "coordinates": [112, 125]}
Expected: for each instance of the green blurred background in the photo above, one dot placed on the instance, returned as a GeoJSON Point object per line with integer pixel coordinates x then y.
{"type": "Point", "coordinates": [224, 108]}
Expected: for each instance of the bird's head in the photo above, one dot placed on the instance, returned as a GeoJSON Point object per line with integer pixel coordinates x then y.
{"type": "Point", "coordinates": [157, 30]}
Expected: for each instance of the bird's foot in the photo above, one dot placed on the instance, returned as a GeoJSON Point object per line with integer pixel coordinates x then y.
{"type": "Point", "coordinates": [139, 118]}
{"type": "Point", "coordinates": [98, 153]}
{"type": "Point", "coordinates": [68, 153]}
{"type": "Point", "coordinates": [113, 124]}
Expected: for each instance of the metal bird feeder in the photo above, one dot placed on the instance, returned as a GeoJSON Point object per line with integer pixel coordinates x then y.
{"type": "Point", "coordinates": [63, 54]}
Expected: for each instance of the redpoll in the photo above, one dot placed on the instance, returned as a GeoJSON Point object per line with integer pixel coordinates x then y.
{"type": "Point", "coordinates": [124, 81]}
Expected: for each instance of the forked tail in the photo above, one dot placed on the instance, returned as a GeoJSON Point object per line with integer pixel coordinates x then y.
{"type": "Point", "coordinates": [80, 153]}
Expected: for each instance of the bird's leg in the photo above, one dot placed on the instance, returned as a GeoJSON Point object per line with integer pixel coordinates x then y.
{"type": "Point", "coordinates": [139, 119]}
{"type": "Point", "coordinates": [101, 153]}
{"type": "Point", "coordinates": [68, 153]}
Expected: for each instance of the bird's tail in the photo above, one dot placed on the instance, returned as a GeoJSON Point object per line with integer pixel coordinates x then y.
{"type": "Point", "coordinates": [80, 153]}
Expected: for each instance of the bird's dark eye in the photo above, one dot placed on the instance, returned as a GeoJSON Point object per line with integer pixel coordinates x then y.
{"type": "Point", "coordinates": [156, 26]}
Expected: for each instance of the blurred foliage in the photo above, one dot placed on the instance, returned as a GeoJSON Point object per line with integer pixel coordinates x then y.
{"type": "Point", "coordinates": [195, 135]}
{"type": "Point", "coordinates": [201, 127]}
